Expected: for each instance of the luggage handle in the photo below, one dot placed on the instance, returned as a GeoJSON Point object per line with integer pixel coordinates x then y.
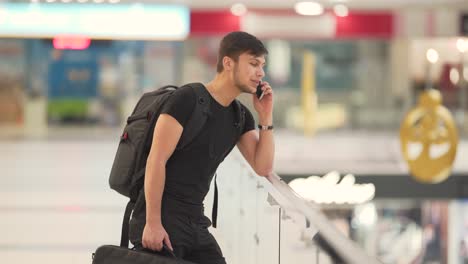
{"type": "Point", "coordinates": [165, 249]}
{"type": "Point", "coordinates": [169, 250]}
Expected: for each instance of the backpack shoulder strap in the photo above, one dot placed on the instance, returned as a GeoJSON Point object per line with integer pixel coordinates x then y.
{"type": "Point", "coordinates": [239, 124]}
{"type": "Point", "coordinates": [200, 115]}
{"type": "Point", "coordinates": [126, 224]}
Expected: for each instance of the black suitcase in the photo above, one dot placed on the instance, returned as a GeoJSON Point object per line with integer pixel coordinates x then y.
{"type": "Point", "coordinates": [109, 254]}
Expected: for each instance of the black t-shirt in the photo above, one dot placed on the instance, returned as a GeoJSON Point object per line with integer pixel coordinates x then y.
{"type": "Point", "coordinates": [189, 171]}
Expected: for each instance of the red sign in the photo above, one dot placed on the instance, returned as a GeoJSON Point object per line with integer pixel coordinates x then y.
{"type": "Point", "coordinates": [71, 42]}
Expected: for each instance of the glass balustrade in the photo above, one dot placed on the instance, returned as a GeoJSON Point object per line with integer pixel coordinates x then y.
{"type": "Point", "coordinates": [261, 220]}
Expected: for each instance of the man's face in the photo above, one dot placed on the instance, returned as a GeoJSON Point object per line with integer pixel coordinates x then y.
{"type": "Point", "coordinates": [248, 72]}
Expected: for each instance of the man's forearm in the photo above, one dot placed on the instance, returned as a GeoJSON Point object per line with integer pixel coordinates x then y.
{"type": "Point", "coordinates": [154, 186]}
{"type": "Point", "coordinates": [265, 151]}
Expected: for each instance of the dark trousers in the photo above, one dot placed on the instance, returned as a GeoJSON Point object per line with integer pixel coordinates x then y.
{"type": "Point", "coordinates": [187, 227]}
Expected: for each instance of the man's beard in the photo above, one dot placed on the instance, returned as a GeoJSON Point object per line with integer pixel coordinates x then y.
{"type": "Point", "coordinates": [242, 87]}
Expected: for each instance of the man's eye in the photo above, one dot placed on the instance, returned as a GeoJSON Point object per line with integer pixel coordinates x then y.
{"type": "Point", "coordinates": [254, 64]}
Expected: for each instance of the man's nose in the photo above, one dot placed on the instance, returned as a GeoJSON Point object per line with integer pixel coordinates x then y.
{"type": "Point", "coordinates": [261, 73]}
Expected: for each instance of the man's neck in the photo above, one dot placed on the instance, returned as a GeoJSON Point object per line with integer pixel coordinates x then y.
{"type": "Point", "coordinates": [222, 90]}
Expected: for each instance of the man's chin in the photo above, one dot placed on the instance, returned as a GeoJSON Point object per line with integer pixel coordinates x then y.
{"type": "Point", "coordinates": [248, 89]}
{"type": "Point", "coordinates": [252, 89]}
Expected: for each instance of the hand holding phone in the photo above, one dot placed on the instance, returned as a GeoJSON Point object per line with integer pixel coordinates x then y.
{"type": "Point", "coordinates": [260, 92]}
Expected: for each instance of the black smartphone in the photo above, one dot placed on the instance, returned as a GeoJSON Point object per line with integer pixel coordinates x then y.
{"type": "Point", "coordinates": [259, 91]}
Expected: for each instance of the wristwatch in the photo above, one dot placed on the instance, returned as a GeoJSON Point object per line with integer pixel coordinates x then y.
{"type": "Point", "coordinates": [261, 127]}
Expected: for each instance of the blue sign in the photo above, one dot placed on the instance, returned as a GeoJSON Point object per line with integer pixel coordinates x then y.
{"type": "Point", "coordinates": [73, 74]}
{"type": "Point", "coordinates": [103, 21]}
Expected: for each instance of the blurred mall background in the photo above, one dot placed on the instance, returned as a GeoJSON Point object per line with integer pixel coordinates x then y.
{"type": "Point", "coordinates": [345, 74]}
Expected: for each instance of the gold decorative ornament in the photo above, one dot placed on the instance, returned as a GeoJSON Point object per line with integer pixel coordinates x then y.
{"type": "Point", "coordinates": [429, 139]}
{"type": "Point", "coordinates": [308, 93]}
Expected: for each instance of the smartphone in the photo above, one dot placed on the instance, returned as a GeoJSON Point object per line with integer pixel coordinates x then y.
{"type": "Point", "coordinates": [259, 91]}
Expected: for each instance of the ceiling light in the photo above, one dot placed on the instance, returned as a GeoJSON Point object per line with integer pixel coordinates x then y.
{"type": "Point", "coordinates": [341, 10]}
{"type": "Point", "coordinates": [454, 75]}
{"type": "Point", "coordinates": [308, 8]}
{"type": "Point", "coordinates": [462, 45]}
{"type": "Point", "coordinates": [238, 9]}
{"type": "Point", "coordinates": [432, 55]}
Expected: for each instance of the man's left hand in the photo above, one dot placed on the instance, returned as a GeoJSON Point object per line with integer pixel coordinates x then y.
{"type": "Point", "coordinates": [264, 107]}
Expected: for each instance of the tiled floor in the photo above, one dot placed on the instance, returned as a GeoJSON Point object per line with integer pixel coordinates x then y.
{"type": "Point", "coordinates": [54, 201]}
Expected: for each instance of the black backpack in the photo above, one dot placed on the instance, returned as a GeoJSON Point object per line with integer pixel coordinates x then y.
{"type": "Point", "coordinates": [128, 169]}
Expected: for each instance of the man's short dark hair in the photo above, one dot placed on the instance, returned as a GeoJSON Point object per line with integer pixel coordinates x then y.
{"type": "Point", "coordinates": [236, 43]}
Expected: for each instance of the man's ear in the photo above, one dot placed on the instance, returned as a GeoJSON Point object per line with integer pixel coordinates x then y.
{"type": "Point", "coordinates": [228, 63]}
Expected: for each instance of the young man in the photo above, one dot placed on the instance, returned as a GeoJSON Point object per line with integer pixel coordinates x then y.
{"type": "Point", "coordinates": [169, 210]}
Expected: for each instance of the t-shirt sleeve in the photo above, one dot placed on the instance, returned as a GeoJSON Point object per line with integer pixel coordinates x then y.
{"type": "Point", "coordinates": [180, 105]}
{"type": "Point", "coordinates": [249, 123]}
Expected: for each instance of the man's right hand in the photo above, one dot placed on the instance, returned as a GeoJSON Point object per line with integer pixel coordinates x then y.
{"type": "Point", "coordinates": [154, 235]}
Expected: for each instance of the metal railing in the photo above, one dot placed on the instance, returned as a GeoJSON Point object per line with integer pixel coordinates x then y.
{"type": "Point", "coordinates": [262, 220]}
